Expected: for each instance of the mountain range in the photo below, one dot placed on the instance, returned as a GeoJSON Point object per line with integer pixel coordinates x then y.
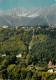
{"type": "Point", "coordinates": [29, 16]}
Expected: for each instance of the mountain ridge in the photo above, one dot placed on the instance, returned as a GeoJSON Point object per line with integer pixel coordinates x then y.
{"type": "Point", "coordinates": [32, 16]}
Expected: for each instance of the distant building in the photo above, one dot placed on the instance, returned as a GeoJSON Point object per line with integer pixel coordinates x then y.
{"type": "Point", "coordinates": [4, 26]}
{"type": "Point", "coordinates": [29, 47]}
{"type": "Point", "coordinates": [39, 27]}
{"type": "Point", "coordinates": [19, 56]}
{"type": "Point", "coordinates": [23, 27]}
{"type": "Point", "coordinates": [49, 64]}
{"type": "Point", "coordinates": [4, 55]}
{"type": "Point", "coordinates": [52, 68]}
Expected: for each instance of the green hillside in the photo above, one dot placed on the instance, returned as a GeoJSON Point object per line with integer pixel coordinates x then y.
{"type": "Point", "coordinates": [25, 53]}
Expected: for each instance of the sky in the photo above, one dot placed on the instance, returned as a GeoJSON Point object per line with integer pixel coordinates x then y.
{"type": "Point", "coordinates": [11, 4]}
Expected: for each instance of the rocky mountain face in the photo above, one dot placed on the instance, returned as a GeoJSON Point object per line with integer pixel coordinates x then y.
{"type": "Point", "coordinates": [24, 16]}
